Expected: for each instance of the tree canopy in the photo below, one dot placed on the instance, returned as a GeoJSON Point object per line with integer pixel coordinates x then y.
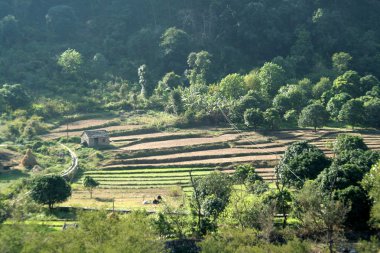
{"type": "Point", "coordinates": [49, 190]}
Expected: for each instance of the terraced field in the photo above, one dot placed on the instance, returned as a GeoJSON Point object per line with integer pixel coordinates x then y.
{"type": "Point", "coordinates": [163, 159]}
{"type": "Point", "coordinates": [151, 159]}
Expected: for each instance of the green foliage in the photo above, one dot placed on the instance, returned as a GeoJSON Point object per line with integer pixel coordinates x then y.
{"type": "Point", "coordinates": [322, 86]}
{"type": "Point", "coordinates": [250, 100]}
{"type": "Point", "coordinates": [61, 21]}
{"type": "Point", "coordinates": [341, 62]}
{"type": "Point", "coordinates": [96, 232]}
{"type": "Point", "coordinates": [171, 80]}
{"type": "Point", "coordinates": [245, 173]}
{"type": "Point", "coordinates": [320, 214]}
{"type": "Point", "coordinates": [352, 113]}
{"type": "Point", "coordinates": [237, 241]}
{"type": "Point", "coordinates": [199, 64]}
{"type": "Point", "coordinates": [291, 117]}
{"type": "Point", "coordinates": [173, 40]}
{"type": "Point", "coordinates": [13, 96]}
{"type": "Point", "coordinates": [271, 77]}
{"type": "Point", "coordinates": [343, 178]}
{"type": "Point", "coordinates": [176, 102]}
{"type": "Point", "coordinates": [301, 161]}
{"type": "Point", "coordinates": [232, 86]}
{"type": "Point", "coordinates": [253, 118]}
{"type": "Point", "coordinates": [371, 246]}
{"type": "Point", "coordinates": [372, 110]}
{"type": "Point", "coordinates": [49, 190]}
{"type": "Point", "coordinates": [9, 30]}
{"type": "Point", "coordinates": [336, 103]}
{"type": "Point", "coordinates": [290, 97]}
{"type": "Point", "coordinates": [146, 84]}
{"type": "Point", "coordinates": [346, 142]}
{"type": "Point", "coordinates": [89, 183]}
{"type": "Point", "coordinates": [313, 115]}
{"type": "Point", "coordinates": [210, 197]}
{"type": "Point", "coordinates": [71, 61]}
{"type": "Point", "coordinates": [349, 83]}
{"type": "Point", "coordinates": [371, 183]}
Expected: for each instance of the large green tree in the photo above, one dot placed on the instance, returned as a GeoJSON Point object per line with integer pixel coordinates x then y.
{"type": "Point", "coordinates": [253, 118]}
{"type": "Point", "coordinates": [371, 183]}
{"type": "Point", "coordinates": [352, 113]}
{"type": "Point", "coordinates": [271, 77]}
{"type": "Point", "coordinates": [300, 162]}
{"type": "Point", "coordinates": [49, 190]}
{"type": "Point", "coordinates": [71, 61]}
{"type": "Point", "coordinates": [232, 86]}
{"type": "Point", "coordinates": [314, 115]}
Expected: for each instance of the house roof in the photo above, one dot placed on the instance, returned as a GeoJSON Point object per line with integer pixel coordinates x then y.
{"type": "Point", "coordinates": [96, 133]}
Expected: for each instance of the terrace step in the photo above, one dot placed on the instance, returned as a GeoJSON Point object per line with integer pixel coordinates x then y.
{"type": "Point", "coordinates": [195, 156]}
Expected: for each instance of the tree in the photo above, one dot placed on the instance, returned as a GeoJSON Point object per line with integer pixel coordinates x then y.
{"type": "Point", "coordinates": [301, 161]}
{"type": "Point", "coordinates": [171, 80]}
{"type": "Point", "coordinates": [371, 183]}
{"type": "Point", "coordinates": [147, 86]}
{"type": "Point", "coordinates": [13, 96]}
{"type": "Point", "coordinates": [341, 62]}
{"type": "Point", "coordinates": [322, 86]}
{"type": "Point", "coordinates": [175, 44]}
{"type": "Point", "coordinates": [368, 82]}
{"type": "Point", "coordinates": [174, 40]}
{"type": "Point", "coordinates": [176, 101]}
{"type": "Point", "coordinates": [352, 113]}
{"type": "Point", "coordinates": [335, 104]}
{"type": "Point", "coordinates": [232, 86]}
{"type": "Point", "coordinates": [210, 197]}
{"type": "Point", "coordinates": [313, 115]}
{"type": "Point", "coordinates": [349, 83]}
{"type": "Point", "coordinates": [199, 64]}
{"type": "Point", "coordinates": [343, 178]}
{"type": "Point", "coordinates": [290, 97]}
{"type": "Point", "coordinates": [271, 77]}
{"type": "Point", "coordinates": [71, 61]}
{"type": "Point", "coordinates": [372, 112]}
{"type": "Point", "coordinates": [345, 142]}
{"type": "Point", "coordinates": [9, 30]}
{"type": "Point", "coordinates": [320, 214]}
{"type": "Point", "coordinates": [251, 100]}
{"type": "Point", "coordinates": [272, 118]}
{"type": "Point", "coordinates": [89, 183]}
{"type": "Point", "coordinates": [291, 117]}
{"type": "Point", "coordinates": [253, 118]}
{"type": "Point", "coordinates": [245, 173]}
{"type": "Point", "coordinates": [61, 21]}
{"type": "Point", "coordinates": [49, 190]}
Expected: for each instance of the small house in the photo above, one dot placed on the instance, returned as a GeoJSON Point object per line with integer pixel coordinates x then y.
{"type": "Point", "coordinates": [95, 138]}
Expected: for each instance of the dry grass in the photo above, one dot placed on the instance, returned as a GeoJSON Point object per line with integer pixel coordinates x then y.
{"type": "Point", "coordinates": [81, 124]}
{"type": "Point", "coordinates": [124, 198]}
{"type": "Point", "coordinates": [182, 142]}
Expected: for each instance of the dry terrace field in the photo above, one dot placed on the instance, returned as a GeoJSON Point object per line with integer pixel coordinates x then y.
{"type": "Point", "coordinates": [155, 161]}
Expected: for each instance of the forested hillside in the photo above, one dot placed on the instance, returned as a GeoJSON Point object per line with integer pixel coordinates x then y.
{"type": "Point", "coordinates": [110, 40]}
{"type": "Point", "coordinates": [189, 126]}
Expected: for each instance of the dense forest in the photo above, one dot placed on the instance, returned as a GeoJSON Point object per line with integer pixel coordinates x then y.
{"type": "Point", "coordinates": [192, 58]}
{"type": "Point", "coordinates": [251, 65]}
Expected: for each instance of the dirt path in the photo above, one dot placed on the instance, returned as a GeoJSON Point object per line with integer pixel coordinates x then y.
{"type": "Point", "coordinates": [182, 142]}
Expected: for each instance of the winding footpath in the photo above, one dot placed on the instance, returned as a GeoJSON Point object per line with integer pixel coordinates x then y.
{"type": "Point", "coordinates": [69, 173]}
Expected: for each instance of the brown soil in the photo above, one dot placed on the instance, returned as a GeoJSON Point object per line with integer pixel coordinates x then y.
{"type": "Point", "coordinates": [81, 124]}
{"type": "Point", "coordinates": [182, 142]}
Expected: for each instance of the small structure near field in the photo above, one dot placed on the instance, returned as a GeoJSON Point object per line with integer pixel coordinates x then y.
{"type": "Point", "coordinates": [95, 138]}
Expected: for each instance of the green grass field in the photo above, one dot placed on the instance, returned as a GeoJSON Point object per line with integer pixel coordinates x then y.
{"type": "Point", "coordinates": [7, 178]}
